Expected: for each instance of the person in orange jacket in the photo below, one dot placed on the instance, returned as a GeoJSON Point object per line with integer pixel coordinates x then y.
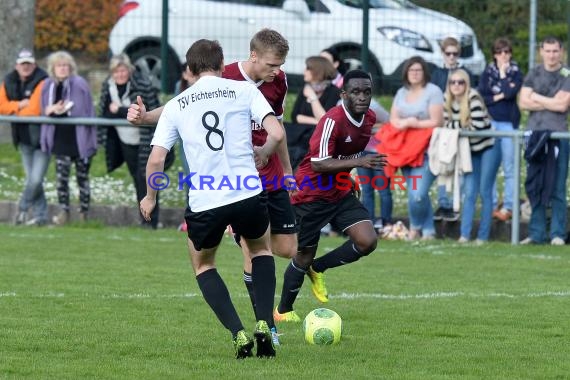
{"type": "Point", "coordinates": [20, 95]}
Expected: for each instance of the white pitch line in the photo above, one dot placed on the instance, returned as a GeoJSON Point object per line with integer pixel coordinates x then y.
{"type": "Point", "coordinates": [343, 296]}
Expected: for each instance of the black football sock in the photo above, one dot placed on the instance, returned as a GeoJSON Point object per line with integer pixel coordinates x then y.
{"type": "Point", "coordinates": [263, 281]}
{"type": "Point", "coordinates": [292, 282]}
{"type": "Point", "coordinates": [345, 254]}
{"type": "Point", "coordinates": [217, 296]}
{"type": "Point", "coordinates": [249, 286]}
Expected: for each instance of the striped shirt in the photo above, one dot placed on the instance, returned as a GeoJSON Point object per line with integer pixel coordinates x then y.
{"type": "Point", "coordinates": [478, 120]}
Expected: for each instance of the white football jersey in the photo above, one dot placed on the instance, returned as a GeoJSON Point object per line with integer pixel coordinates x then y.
{"type": "Point", "coordinates": [213, 117]}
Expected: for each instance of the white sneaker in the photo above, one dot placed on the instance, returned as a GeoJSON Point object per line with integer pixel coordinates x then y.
{"type": "Point", "coordinates": [526, 241]}
{"type": "Point", "coordinates": [21, 218]}
{"type": "Point", "coordinates": [61, 218]}
{"type": "Point", "coordinates": [463, 240]}
{"type": "Point", "coordinates": [557, 241]}
{"type": "Point", "coordinates": [378, 224]}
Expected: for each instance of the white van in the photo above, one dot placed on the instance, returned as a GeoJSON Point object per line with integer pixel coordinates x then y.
{"type": "Point", "coordinates": [398, 30]}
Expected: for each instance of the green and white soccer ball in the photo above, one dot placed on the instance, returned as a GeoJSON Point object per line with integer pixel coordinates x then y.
{"type": "Point", "coordinates": [322, 327]}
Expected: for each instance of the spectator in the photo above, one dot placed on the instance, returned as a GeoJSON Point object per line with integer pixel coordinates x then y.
{"type": "Point", "coordinates": [451, 50]}
{"type": "Point", "coordinates": [181, 85]}
{"type": "Point", "coordinates": [416, 110]}
{"type": "Point", "coordinates": [317, 97]}
{"type": "Point", "coordinates": [184, 82]}
{"type": "Point", "coordinates": [20, 95]}
{"type": "Point", "coordinates": [465, 109]}
{"type": "Point", "coordinates": [331, 54]}
{"type": "Point", "coordinates": [123, 144]}
{"type": "Point", "coordinates": [66, 94]}
{"type": "Point", "coordinates": [381, 184]}
{"type": "Point", "coordinates": [499, 85]}
{"type": "Point", "coordinates": [546, 94]}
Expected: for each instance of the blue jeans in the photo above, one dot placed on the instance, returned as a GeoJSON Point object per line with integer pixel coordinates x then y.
{"type": "Point", "coordinates": [382, 185]}
{"type": "Point", "coordinates": [558, 204]}
{"type": "Point", "coordinates": [420, 209]}
{"type": "Point", "coordinates": [35, 164]}
{"type": "Point", "coordinates": [443, 199]}
{"type": "Point", "coordinates": [480, 182]}
{"type": "Point", "coordinates": [507, 153]}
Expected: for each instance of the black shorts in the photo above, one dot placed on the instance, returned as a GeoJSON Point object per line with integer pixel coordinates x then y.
{"type": "Point", "coordinates": [281, 213]}
{"type": "Point", "coordinates": [248, 217]}
{"type": "Point", "coordinates": [313, 216]}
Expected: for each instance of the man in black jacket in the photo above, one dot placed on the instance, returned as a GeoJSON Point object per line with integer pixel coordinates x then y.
{"type": "Point", "coordinates": [20, 95]}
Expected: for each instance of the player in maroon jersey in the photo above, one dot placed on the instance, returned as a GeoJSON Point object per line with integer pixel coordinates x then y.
{"type": "Point", "coordinates": [323, 197]}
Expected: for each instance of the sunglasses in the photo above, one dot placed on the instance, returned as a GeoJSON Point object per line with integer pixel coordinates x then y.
{"type": "Point", "coordinates": [452, 53]}
{"type": "Point", "coordinates": [459, 82]}
{"type": "Point", "coordinates": [503, 51]}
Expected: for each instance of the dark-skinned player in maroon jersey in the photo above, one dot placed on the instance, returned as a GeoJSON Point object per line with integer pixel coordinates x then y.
{"type": "Point", "coordinates": [323, 196]}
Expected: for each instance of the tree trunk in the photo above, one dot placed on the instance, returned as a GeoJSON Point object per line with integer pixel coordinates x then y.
{"type": "Point", "coordinates": [16, 32]}
{"type": "Point", "coordinates": [17, 26]}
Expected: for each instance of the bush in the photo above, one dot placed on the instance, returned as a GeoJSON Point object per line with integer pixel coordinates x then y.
{"type": "Point", "coordinates": [75, 25]}
{"type": "Point", "coordinates": [555, 30]}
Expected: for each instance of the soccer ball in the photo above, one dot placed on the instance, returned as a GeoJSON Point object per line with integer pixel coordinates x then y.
{"type": "Point", "coordinates": [322, 327]}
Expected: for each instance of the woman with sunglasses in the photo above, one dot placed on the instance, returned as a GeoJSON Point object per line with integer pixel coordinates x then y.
{"type": "Point", "coordinates": [451, 50]}
{"type": "Point", "coordinates": [499, 85]}
{"type": "Point", "coordinates": [464, 108]}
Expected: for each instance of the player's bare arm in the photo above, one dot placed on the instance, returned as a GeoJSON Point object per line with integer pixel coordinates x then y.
{"type": "Point", "coordinates": [155, 164]}
{"type": "Point", "coordinates": [275, 136]}
{"type": "Point", "coordinates": [332, 165]}
{"type": "Point", "coordinates": [138, 115]}
{"type": "Point", "coordinates": [283, 154]}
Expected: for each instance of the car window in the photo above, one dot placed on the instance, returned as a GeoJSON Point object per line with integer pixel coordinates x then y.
{"type": "Point", "coordinates": [317, 6]}
{"type": "Point", "coordinates": [391, 4]}
{"type": "Point", "coordinates": [265, 3]}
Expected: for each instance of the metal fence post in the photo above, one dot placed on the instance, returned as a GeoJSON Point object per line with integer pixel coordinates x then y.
{"type": "Point", "coordinates": [164, 48]}
{"type": "Point", "coordinates": [515, 226]}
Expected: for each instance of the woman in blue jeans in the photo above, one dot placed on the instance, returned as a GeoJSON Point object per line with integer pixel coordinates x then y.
{"type": "Point", "coordinates": [464, 109]}
{"type": "Point", "coordinates": [381, 184]}
{"type": "Point", "coordinates": [499, 86]}
{"type": "Point", "coordinates": [418, 104]}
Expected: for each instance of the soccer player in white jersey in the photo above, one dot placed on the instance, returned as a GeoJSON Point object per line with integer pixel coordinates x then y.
{"type": "Point", "coordinates": [268, 51]}
{"type": "Point", "coordinates": [213, 118]}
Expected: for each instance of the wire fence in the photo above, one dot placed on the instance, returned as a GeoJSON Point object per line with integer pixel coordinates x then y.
{"type": "Point", "coordinates": [396, 30]}
{"type": "Point", "coordinates": [517, 136]}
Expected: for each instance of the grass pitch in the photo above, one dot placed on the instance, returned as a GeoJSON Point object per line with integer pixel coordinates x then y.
{"type": "Point", "coordinates": [119, 303]}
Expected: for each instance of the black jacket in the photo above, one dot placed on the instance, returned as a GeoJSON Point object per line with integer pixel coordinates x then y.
{"type": "Point", "coordinates": [140, 86]}
{"type": "Point", "coordinates": [18, 90]}
{"type": "Point", "coordinates": [540, 155]}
